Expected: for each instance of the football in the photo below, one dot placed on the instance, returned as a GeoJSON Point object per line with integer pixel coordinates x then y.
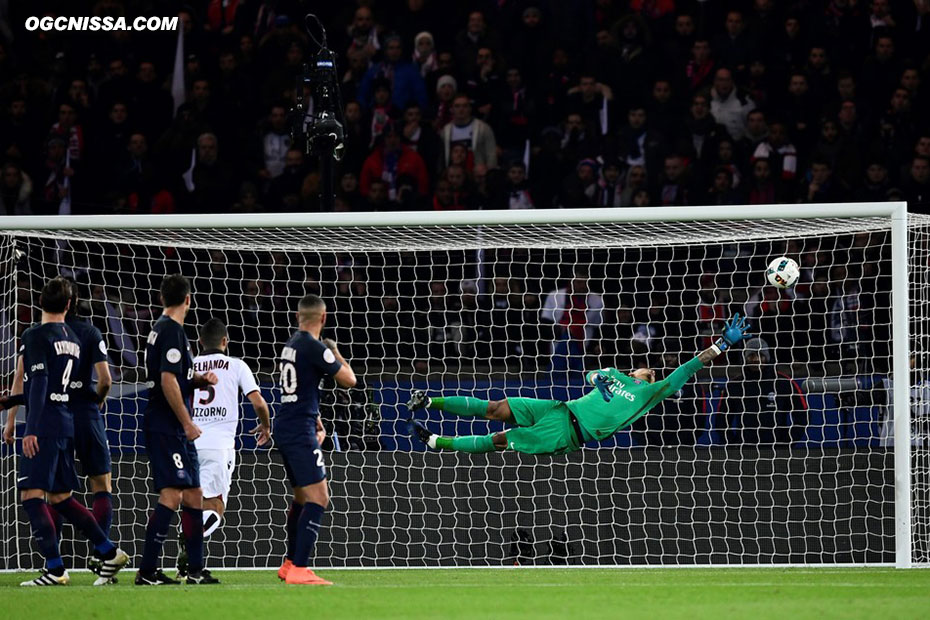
{"type": "Point", "coordinates": [783, 272]}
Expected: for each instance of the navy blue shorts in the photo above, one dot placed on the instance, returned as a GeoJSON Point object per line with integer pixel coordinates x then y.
{"type": "Point", "coordinates": [173, 462]}
{"type": "Point", "coordinates": [91, 447]}
{"type": "Point", "coordinates": [52, 469]}
{"type": "Point", "coordinates": [303, 461]}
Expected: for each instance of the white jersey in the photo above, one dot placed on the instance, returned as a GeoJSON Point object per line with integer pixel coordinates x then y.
{"type": "Point", "coordinates": [216, 407]}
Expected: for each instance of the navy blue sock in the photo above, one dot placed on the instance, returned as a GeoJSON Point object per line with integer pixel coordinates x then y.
{"type": "Point", "coordinates": [82, 519]}
{"type": "Point", "coordinates": [308, 528]}
{"type": "Point", "coordinates": [59, 522]}
{"type": "Point", "coordinates": [192, 526]}
{"type": "Point", "coordinates": [155, 533]}
{"type": "Point", "coordinates": [43, 531]}
{"type": "Point", "coordinates": [103, 510]}
{"type": "Point", "coordinates": [293, 516]}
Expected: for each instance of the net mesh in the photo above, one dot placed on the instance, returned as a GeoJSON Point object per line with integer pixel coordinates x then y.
{"type": "Point", "coordinates": [781, 456]}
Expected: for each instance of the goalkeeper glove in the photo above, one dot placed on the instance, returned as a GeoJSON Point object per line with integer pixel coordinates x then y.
{"type": "Point", "coordinates": [602, 383]}
{"type": "Point", "coordinates": [734, 331]}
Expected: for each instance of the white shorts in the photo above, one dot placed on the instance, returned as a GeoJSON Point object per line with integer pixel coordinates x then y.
{"type": "Point", "coordinates": [216, 471]}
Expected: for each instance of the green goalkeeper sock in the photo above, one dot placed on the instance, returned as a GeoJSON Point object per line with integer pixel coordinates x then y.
{"type": "Point", "coordinates": [464, 406]}
{"type": "Point", "coordinates": [475, 444]}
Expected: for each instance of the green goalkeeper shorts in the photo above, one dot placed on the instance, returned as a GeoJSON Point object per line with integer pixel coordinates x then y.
{"type": "Point", "coordinates": [543, 427]}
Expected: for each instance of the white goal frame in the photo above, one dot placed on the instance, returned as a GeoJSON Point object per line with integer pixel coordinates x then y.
{"type": "Point", "coordinates": [896, 212]}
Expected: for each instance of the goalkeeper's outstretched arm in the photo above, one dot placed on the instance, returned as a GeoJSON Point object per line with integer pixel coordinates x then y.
{"type": "Point", "coordinates": [735, 330]}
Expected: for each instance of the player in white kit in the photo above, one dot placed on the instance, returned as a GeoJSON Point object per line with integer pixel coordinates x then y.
{"type": "Point", "coordinates": [216, 411]}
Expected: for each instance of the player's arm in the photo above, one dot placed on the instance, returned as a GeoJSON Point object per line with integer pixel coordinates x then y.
{"type": "Point", "coordinates": [735, 330]}
{"type": "Point", "coordinates": [12, 402]}
{"type": "Point", "coordinates": [344, 377]}
{"type": "Point", "coordinates": [102, 369]}
{"type": "Point", "coordinates": [249, 386]}
{"type": "Point", "coordinates": [35, 356]}
{"type": "Point", "coordinates": [203, 380]}
{"type": "Point", "coordinates": [601, 380]}
{"type": "Point", "coordinates": [172, 391]}
{"type": "Point", "coordinates": [104, 380]}
{"type": "Point", "coordinates": [263, 430]}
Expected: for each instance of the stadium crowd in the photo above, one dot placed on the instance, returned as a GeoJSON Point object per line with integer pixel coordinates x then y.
{"type": "Point", "coordinates": [493, 105]}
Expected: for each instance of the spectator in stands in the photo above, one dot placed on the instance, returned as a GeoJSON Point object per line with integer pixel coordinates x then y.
{"type": "Point", "coordinates": [363, 34]}
{"type": "Point", "coordinates": [916, 186]}
{"type": "Point", "coordinates": [729, 107]}
{"type": "Point", "coordinates": [485, 84]}
{"type": "Point", "coordinates": [635, 181]}
{"type": "Point", "coordinates": [765, 188]}
{"type": "Point", "coordinates": [579, 189]}
{"type": "Point", "coordinates": [209, 183]}
{"type": "Point", "coordinates": [420, 137]}
{"type": "Point", "coordinates": [609, 189]}
{"type": "Point", "coordinates": [475, 134]}
{"type": "Point", "coordinates": [875, 184]}
{"type": "Point", "coordinates": [701, 135]}
{"type": "Point", "coordinates": [468, 41]}
{"type": "Point", "coordinates": [587, 100]}
{"type": "Point", "coordinates": [839, 151]}
{"type": "Point", "coordinates": [757, 130]}
{"type": "Point", "coordinates": [71, 131]}
{"type": "Point", "coordinates": [721, 192]}
{"type": "Point", "coordinates": [152, 105]}
{"type": "Point", "coordinates": [674, 187]}
{"type": "Point", "coordinates": [726, 158]}
{"type": "Point", "coordinates": [446, 88]}
{"type": "Point", "coordinates": [515, 115]}
{"type": "Point", "coordinates": [404, 78]}
{"type": "Point", "coordinates": [20, 138]}
{"type": "Point", "coordinates": [275, 143]}
{"type": "Point", "coordinates": [517, 190]}
{"type": "Point", "coordinates": [15, 191]}
{"type": "Point", "coordinates": [574, 314]}
{"type": "Point", "coordinates": [780, 153]}
{"type": "Point", "coordinates": [699, 71]}
{"type": "Point", "coordinates": [286, 190]}
{"type": "Point", "coordinates": [392, 161]}
{"type": "Point", "coordinates": [734, 48]}
{"type": "Point", "coordinates": [424, 53]}
{"type": "Point", "coordinates": [762, 407]}
{"type": "Point", "coordinates": [821, 186]}
{"type": "Point", "coordinates": [638, 144]}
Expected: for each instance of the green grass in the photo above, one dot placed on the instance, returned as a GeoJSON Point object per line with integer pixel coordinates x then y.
{"type": "Point", "coordinates": [721, 594]}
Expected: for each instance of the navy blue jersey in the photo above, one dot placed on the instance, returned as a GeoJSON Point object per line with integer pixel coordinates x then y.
{"type": "Point", "coordinates": [50, 349]}
{"type": "Point", "coordinates": [303, 364]}
{"type": "Point", "coordinates": [83, 386]}
{"type": "Point", "coordinates": [167, 350]}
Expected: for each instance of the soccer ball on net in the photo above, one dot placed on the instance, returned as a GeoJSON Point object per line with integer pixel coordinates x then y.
{"type": "Point", "coordinates": [783, 272]}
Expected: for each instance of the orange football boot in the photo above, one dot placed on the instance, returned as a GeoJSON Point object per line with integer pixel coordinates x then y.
{"type": "Point", "coordinates": [301, 575]}
{"type": "Point", "coordinates": [285, 569]}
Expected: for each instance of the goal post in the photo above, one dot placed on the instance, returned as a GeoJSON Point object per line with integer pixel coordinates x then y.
{"type": "Point", "coordinates": [457, 302]}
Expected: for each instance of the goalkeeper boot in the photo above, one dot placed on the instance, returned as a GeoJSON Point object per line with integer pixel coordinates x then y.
{"type": "Point", "coordinates": [200, 577]}
{"type": "Point", "coordinates": [303, 576]}
{"type": "Point", "coordinates": [285, 569]}
{"type": "Point", "coordinates": [420, 432]}
{"type": "Point", "coordinates": [48, 578]}
{"type": "Point", "coordinates": [418, 400]}
{"type": "Point", "coordinates": [157, 578]}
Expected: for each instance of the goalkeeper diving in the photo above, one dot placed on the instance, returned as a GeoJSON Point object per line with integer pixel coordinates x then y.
{"type": "Point", "coordinates": [557, 427]}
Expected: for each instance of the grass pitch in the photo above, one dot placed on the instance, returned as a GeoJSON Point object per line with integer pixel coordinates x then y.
{"type": "Point", "coordinates": [786, 594]}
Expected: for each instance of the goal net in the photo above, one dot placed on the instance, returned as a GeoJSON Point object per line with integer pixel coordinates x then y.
{"type": "Point", "coordinates": [782, 451]}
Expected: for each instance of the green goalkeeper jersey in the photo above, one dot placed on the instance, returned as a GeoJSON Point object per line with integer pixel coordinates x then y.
{"type": "Point", "coordinates": [631, 400]}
